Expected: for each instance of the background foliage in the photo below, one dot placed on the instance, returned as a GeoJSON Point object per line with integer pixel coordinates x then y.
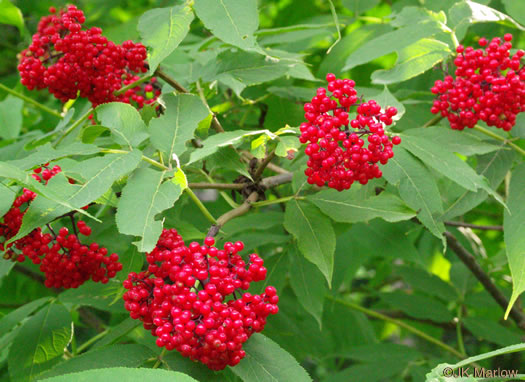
{"type": "Point", "coordinates": [370, 290]}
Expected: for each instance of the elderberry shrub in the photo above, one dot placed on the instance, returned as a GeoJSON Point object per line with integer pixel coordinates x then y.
{"type": "Point", "coordinates": [69, 61]}
{"type": "Point", "coordinates": [187, 299]}
{"type": "Point", "coordinates": [338, 155]}
{"type": "Point", "coordinates": [489, 85]}
{"type": "Point", "coordinates": [64, 260]}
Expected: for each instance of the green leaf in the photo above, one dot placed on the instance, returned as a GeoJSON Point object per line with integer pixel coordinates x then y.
{"type": "Point", "coordinates": [448, 164]}
{"type": "Point", "coordinates": [261, 221]}
{"type": "Point", "coordinates": [227, 158]}
{"type": "Point", "coordinates": [417, 188]}
{"type": "Point", "coordinates": [7, 197]}
{"type": "Point", "coordinates": [462, 142]}
{"type": "Point", "coordinates": [197, 370]}
{"type": "Point", "coordinates": [9, 14]}
{"type": "Point", "coordinates": [347, 207]}
{"type": "Point", "coordinates": [418, 306]}
{"type": "Point", "coordinates": [162, 30]}
{"type": "Point", "coordinates": [99, 174]}
{"type": "Point", "coordinates": [266, 361]}
{"type": "Point", "coordinates": [314, 233]}
{"type": "Point", "coordinates": [116, 332]}
{"type": "Point", "coordinates": [144, 196]}
{"type": "Point", "coordinates": [308, 284]}
{"type": "Point", "coordinates": [516, 10]}
{"type": "Point", "coordinates": [413, 60]}
{"type": "Point", "coordinates": [494, 166]}
{"type": "Point", "coordinates": [427, 283]}
{"type": "Point", "coordinates": [513, 233]}
{"type": "Point", "coordinates": [10, 110]}
{"type": "Point", "coordinates": [487, 330]}
{"type": "Point", "coordinates": [241, 69]}
{"type": "Point", "coordinates": [12, 172]}
{"type": "Point", "coordinates": [391, 42]}
{"type": "Point", "coordinates": [47, 153]}
{"type": "Point", "coordinates": [213, 143]}
{"type": "Point", "coordinates": [40, 341]}
{"type": "Point", "coordinates": [13, 318]}
{"type": "Point", "coordinates": [5, 268]}
{"type": "Point", "coordinates": [129, 355]}
{"type": "Point", "coordinates": [123, 374]}
{"type": "Point", "coordinates": [385, 99]}
{"type": "Point", "coordinates": [360, 6]}
{"type": "Point", "coordinates": [171, 131]}
{"type": "Point", "coordinates": [335, 61]}
{"type": "Point", "coordinates": [286, 145]}
{"type": "Point", "coordinates": [124, 121]}
{"type": "Point", "coordinates": [232, 21]}
{"type": "Point", "coordinates": [466, 13]}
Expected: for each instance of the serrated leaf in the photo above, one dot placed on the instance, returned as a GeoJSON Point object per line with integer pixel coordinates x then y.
{"type": "Point", "coordinates": [123, 374]}
{"type": "Point", "coordinates": [13, 318]}
{"type": "Point", "coordinates": [347, 207]}
{"type": "Point", "coordinates": [513, 233]}
{"type": "Point", "coordinates": [413, 60]}
{"type": "Point", "coordinates": [10, 110]}
{"type": "Point", "coordinates": [266, 361]}
{"type": "Point", "coordinates": [515, 9]}
{"type": "Point", "coordinates": [7, 197]}
{"type": "Point", "coordinates": [465, 13]}
{"type": "Point", "coordinates": [391, 42]}
{"type": "Point", "coordinates": [12, 172]}
{"type": "Point", "coordinates": [227, 158]}
{"type": "Point", "coordinates": [308, 284]}
{"type": "Point", "coordinates": [128, 355]}
{"type": "Point", "coordinates": [162, 30]}
{"type": "Point", "coordinates": [171, 131]}
{"type": "Point", "coordinates": [10, 14]}
{"type": "Point", "coordinates": [47, 153]}
{"type": "Point", "coordinates": [232, 21]}
{"type": "Point", "coordinates": [417, 188]}
{"type": "Point", "coordinates": [40, 341]}
{"type": "Point", "coordinates": [487, 330]}
{"type": "Point", "coordinates": [241, 69]}
{"type": "Point", "coordinates": [99, 174]}
{"type": "Point", "coordinates": [418, 306]}
{"type": "Point", "coordinates": [213, 143]}
{"type": "Point", "coordinates": [116, 332]}
{"type": "Point", "coordinates": [462, 142]}
{"type": "Point", "coordinates": [428, 283]}
{"type": "Point", "coordinates": [145, 195]}
{"type": "Point", "coordinates": [494, 166]}
{"type": "Point", "coordinates": [314, 233]}
{"type": "Point", "coordinates": [124, 121]}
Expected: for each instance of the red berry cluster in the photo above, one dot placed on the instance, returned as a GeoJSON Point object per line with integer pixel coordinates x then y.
{"type": "Point", "coordinates": [66, 262]}
{"type": "Point", "coordinates": [187, 298]}
{"type": "Point", "coordinates": [337, 155]}
{"type": "Point", "coordinates": [489, 85]}
{"type": "Point", "coordinates": [69, 61]}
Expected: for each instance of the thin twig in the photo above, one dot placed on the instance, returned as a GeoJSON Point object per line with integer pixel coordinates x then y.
{"type": "Point", "coordinates": [470, 262]}
{"type": "Point", "coordinates": [247, 156]}
{"type": "Point", "coordinates": [475, 226]}
{"type": "Point", "coordinates": [172, 82]}
{"type": "Point", "coordinates": [216, 186]}
{"type": "Point", "coordinates": [214, 122]}
{"type": "Point", "coordinates": [236, 212]}
{"type": "Point", "coordinates": [277, 180]}
{"type": "Point", "coordinates": [433, 121]}
{"type": "Point", "coordinates": [31, 101]}
{"type": "Point", "coordinates": [265, 162]}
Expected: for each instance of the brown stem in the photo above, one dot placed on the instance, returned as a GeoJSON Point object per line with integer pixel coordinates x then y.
{"type": "Point", "coordinates": [470, 262]}
{"type": "Point", "coordinates": [475, 226]}
{"type": "Point", "coordinates": [236, 212]}
{"type": "Point", "coordinates": [247, 156]}
{"type": "Point", "coordinates": [265, 162]}
{"type": "Point", "coordinates": [277, 180]}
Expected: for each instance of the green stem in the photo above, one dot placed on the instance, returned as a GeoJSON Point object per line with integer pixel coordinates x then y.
{"type": "Point", "coordinates": [131, 85]}
{"type": "Point", "coordinates": [31, 101]}
{"type": "Point", "coordinates": [459, 332]}
{"type": "Point", "coordinates": [159, 358]}
{"type": "Point", "coordinates": [201, 206]}
{"type": "Point", "coordinates": [144, 158]}
{"type": "Point", "coordinates": [91, 341]}
{"type": "Point", "coordinates": [499, 138]}
{"type": "Point", "coordinates": [277, 201]}
{"type": "Point", "coordinates": [399, 323]}
{"type": "Point", "coordinates": [77, 123]}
